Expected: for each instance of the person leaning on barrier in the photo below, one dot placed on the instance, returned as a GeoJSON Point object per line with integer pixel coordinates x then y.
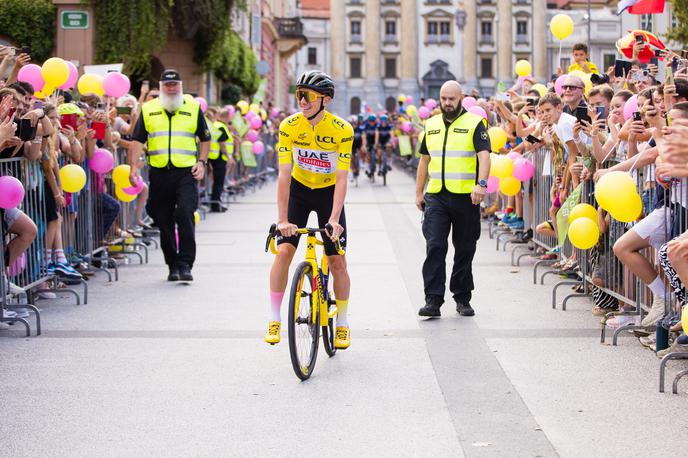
{"type": "Point", "coordinates": [455, 156]}
{"type": "Point", "coordinates": [169, 125]}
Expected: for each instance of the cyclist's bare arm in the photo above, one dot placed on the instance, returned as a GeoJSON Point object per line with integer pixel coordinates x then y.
{"type": "Point", "coordinates": [340, 188]}
{"type": "Point", "coordinates": [283, 182]}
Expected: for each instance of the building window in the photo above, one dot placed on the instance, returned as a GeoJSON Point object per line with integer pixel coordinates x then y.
{"type": "Point", "coordinates": [355, 67]}
{"type": "Point", "coordinates": [486, 67]}
{"type": "Point", "coordinates": [391, 104]}
{"type": "Point", "coordinates": [609, 60]}
{"type": "Point", "coordinates": [391, 28]}
{"type": "Point", "coordinates": [564, 63]}
{"type": "Point", "coordinates": [356, 32]}
{"type": "Point", "coordinates": [390, 67]}
{"type": "Point", "coordinates": [521, 32]}
{"type": "Point", "coordinates": [439, 31]}
{"type": "Point", "coordinates": [312, 56]}
{"type": "Point", "coordinates": [355, 105]}
{"type": "Point", "coordinates": [646, 23]}
{"type": "Point", "coordinates": [486, 32]}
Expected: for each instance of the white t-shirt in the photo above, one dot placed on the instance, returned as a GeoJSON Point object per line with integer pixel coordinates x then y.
{"type": "Point", "coordinates": [564, 128]}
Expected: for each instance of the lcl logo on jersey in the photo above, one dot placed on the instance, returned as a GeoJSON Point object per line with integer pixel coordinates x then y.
{"type": "Point", "coordinates": [325, 139]}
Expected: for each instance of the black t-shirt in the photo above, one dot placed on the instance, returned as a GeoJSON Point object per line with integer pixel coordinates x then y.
{"type": "Point", "coordinates": [481, 141]}
{"type": "Point", "coordinates": [141, 135]}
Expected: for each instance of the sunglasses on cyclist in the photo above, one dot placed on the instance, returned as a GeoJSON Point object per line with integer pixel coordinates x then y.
{"type": "Point", "coordinates": [310, 96]}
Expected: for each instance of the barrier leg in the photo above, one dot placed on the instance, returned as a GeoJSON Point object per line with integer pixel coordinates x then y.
{"type": "Point", "coordinates": [20, 320]}
{"type": "Point", "coordinates": [678, 377]}
{"type": "Point", "coordinates": [513, 252]}
{"type": "Point", "coordinates": [35, 311]}
{"type": "Point", "coordinates": [541, 262]}
{"type": "Point", "coordinates": [557, 286]}
{"type": "Point", "coordinates": [662, 367]}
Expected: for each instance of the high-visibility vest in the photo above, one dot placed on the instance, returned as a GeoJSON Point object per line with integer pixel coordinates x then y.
{"type": "Point", "coordinates": [453, 160]}
{"type": "Point", "coordinates": [216, 130]}
{"type": "Point", "coordinates": [171, 139]}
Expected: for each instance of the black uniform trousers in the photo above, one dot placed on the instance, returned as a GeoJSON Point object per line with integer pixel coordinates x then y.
{"type": "Point", "coordinates": [445, 211]}
{"type": "Point", "coordinates": [219, 170]}
{"type": "Point", "coordinates": [172, 199]}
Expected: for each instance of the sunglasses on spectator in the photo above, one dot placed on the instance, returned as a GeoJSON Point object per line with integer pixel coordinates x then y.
{"type": "Point", "coordinates": [571, 87]}
{"type": "Point", "coordinates": [310, 96]}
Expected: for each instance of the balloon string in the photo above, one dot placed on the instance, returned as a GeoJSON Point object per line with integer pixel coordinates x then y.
{"type": "Point", "coordinates": [559, 60]}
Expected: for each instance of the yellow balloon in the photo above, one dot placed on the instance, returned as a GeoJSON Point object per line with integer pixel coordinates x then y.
{"type": "Point", "coordinates": [123, 196]}
{"type": "Point", "coordinates": [497, 138]}
{"type": "Point", "coordinates": [611, 187]}
{"type": "Point", "coordinates": [502, 167]}
{"type": "Point", "coordinates": [242, 105]}
{"type": "Point", "coordinates": [411, 109]}
{"type": "Point", "coordinates": [523, 68]}
{"type": "Point", "coordinates": [55, 72]}
{"type": "Point", "coordinates": [584, 233]}
{"type": "Point", "coordinates": [254, 107]}
{"type": "Point", "coordinates": [197, 217]}
{"type": "Point", "coordinates": [72, 177]}
{"type": "Point", "coordinates": [561, 26]}
{"type": "Point", "coordinates": [684, 319]}
{"type": "Point", "coordinates": [263, 114]}
{"type": "Point", "coordinates": [541, 88]}
{"type": "Point", "coordinates": [627, 208]}
{"type": "Point", "coordinates": [120, 176]}
{"type": "Point", "coordinates": [47, 90]}
{"type": "Point", "coordinates": [39, 95]}
{"type": "Point", "coordinates": [509, 185]}
{"type": "Point", "coordinates": [583, 211]}
{"type": "Point", "coordinates": [90, 83]}
{"type": "Point", "coordinates": [401, 98]}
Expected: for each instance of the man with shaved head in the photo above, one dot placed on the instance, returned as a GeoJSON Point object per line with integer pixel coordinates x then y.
{"type": "Point", "coordinates": [454, 164]}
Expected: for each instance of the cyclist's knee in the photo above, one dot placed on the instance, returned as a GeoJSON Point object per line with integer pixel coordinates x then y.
{"type": "Point", "coordinates": [285, 253]}
{"type": "Point", "coordinates": [337, 265]}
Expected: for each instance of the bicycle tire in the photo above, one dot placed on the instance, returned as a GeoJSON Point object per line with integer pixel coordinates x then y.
{"type": "Point", "coordinates": [303, 369]}
{"type": "Point", "coordinates": [328, 332]}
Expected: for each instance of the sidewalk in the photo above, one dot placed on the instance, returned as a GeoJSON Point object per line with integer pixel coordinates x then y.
{"type": "Point", "coordinates": [152, 368]}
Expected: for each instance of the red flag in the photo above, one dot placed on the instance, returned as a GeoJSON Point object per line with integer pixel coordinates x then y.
{"type": "Point", "coordinates": [647, 7]}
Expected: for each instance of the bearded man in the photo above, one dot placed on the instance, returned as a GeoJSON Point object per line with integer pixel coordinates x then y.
{"type": "Point", "coordinates": [169, 125]}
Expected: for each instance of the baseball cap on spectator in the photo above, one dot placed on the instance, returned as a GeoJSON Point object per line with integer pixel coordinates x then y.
{"type": "Point", "coordinates": [170, 75]}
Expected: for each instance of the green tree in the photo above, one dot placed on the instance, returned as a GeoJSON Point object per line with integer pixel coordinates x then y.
{"type": "Point", "coordinates": [680, 32]}
{"type": "Point", "coordinates": [29, 23]}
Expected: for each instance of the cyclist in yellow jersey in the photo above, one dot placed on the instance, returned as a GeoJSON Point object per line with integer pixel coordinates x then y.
{"type": "Point", "coordinates": [314, 154]}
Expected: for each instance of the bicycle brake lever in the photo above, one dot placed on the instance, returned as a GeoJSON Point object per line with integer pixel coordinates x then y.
{"type": "Point", "coordinates": [271, 234]}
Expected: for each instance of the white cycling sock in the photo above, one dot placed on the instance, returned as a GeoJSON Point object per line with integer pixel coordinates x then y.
{"type": "Point", "coordinates": [657, 287]}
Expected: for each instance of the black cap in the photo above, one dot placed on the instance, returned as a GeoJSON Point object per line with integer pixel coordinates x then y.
{"type": "Point", "coordinates": [170, 75]}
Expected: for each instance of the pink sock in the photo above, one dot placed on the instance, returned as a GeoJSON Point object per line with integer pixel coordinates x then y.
{"type": "Point", "coordinates": [276, 305]}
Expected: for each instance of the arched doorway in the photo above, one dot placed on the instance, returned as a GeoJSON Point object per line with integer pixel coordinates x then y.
{"type": "Point", "coordinates": [391, 104]}
{"type": "Point", "coordinates": [355, 105]}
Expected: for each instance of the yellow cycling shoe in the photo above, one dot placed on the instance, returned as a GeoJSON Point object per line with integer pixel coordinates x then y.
{"type": "Point", "coordinates": [273, 335]}
{"type": "Point", "coordinates": [342, 338]}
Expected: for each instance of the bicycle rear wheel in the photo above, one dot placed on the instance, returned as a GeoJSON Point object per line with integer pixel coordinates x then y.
{"type": "Point", "coordinates": [304, 328]}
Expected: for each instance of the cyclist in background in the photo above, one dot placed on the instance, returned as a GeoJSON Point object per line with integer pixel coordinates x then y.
{"type": "Point", "coordinates": [370, 140]}
{"type": "Point", "coordinates": [384, 143]}
{"type": "Point", "coordinates": [314, 156]}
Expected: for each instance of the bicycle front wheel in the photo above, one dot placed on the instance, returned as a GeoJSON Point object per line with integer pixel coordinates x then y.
{"type": "Point", "coordinates": [304, 327]}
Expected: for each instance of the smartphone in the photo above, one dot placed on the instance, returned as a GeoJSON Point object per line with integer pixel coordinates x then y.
{"type": "Point", "coordinates": [669, 76]}
{"type": "Point", "coordinates": [640, 39]}
{"type": "Point", "coordinates": [658, 53]}
{"type": "Point", "coordinates": [600, 112]}
{"type": "Point", "coordinates": [26, 131]}
{"type": "Point", "coordinates": [123, 110]}
{"type": "Point", "coordinates": [69, 120]}
{"type": "Point", "coordinates": [636, 116]}
{"type": "Point", "coordinates": [24, 50]}
{"type": "Point", "coordinates": [674, 64]}
{"type": "Point", "coordinates": [99, 127]}
{"type": "Point", "coordinates": [652, 96]}
{"type": "Point", "coordinates": [582, 114]}
{"type": "Point", "coordinates": [533, 139]}
{"type": "Point", "coordinates": [531, 102]}
{"type": "Point", "coordinates": [622, 68]}
{"type": "Point", "coordinates": [100, 106]}
{"type": "Point", "coordinates": [654, 61]}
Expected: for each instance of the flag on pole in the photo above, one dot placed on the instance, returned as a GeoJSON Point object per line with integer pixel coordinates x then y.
{"type": "Point", "coordinates": [641, 6]}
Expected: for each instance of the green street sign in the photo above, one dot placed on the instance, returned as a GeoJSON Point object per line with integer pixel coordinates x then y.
{"type": "Point", "coordinates": [74, 19]}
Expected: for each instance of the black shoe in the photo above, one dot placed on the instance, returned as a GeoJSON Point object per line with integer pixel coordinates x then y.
{"type": "Point", "coordinates": [218, 209]}
{"type": "Point", "coordinates": [185, 273]}
{"type": "Point", "coordinates": [464, 309]}
{"type": "Point", "coordinates": [174, 274]}
{"type": "Point", "coordinates": [430, 310]}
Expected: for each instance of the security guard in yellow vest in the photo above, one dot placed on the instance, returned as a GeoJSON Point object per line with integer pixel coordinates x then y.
{"type": "Point", "coordinates": [221, 144]}
{"type": "Point", "coordinates": [170, 125]}
{"type": "Point", "coordinates": [454, 164]}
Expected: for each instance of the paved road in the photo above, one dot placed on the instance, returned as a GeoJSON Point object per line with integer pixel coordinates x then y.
{"type": "Point", "coordinates": [149, 368]}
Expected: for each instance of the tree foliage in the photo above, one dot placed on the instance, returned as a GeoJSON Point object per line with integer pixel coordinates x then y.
{"type": "Point", "coordinates": [680, 32]}
{"type": "Point", "coordinates": [29, 23]}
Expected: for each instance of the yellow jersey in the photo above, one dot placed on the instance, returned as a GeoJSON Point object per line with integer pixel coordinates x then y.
{"type": "Point", "coordinates": [576, 66]}
{"type": "Point", "coordinates": [316, 153]}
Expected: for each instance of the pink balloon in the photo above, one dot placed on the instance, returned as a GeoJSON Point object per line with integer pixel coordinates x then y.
{"type": "Point", "coordinates": [116, 84]}
{"type": "Point", "coordinates": [514, 156]}
{"type": "Point", "coordinates": [134, 190]}
{"type": "Point", "coordinates": [468, 102]}
{"type": "Point", "coordinates": [249, 115]}
{"type": "Point", "coordinates": [256, 122]}
{"type": "Point", "coordinates": [258, 147]}
{"type": "Point", "coordinates": [406, 126]}
{"type": "Point", "coordinates": [476, 110]}
{"type": "Point", "coordinates": [630, 107]}
{"type": "Point", "coordinates": [431, 104]}
{"type": "Point", "coordinates": [32, 74]}
{"type": "Point", "coordinates": [409, 100]}
{"type": "Point", "coordinates": [202, 102]}
{"type": "Point", "coordinates": [423, 113]}
{"type": "Point", "coordinates": [523, 169]}
{"type": "Point", "coordinates": [102, 161]}
{"type": "Point", "coordinates": [231, 110]}
{"type": "Point", "coordinates": [492, 184]}
{"type": "Point", "coordinates": [558, 85]}
{"type": "Point", "coordinates": [17, 266]}
{"type": "Point", "coordinates": [73, 76]}
{"type": "Point", "coordinates": [275, 112]}
{"type": "Point", "coordinates": [11, 192]}
{"type": "Point", "coordinates": [252, 135]}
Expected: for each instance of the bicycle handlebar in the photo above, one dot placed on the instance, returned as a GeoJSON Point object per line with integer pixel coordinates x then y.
{"type": "Point", "coordinates": [273, 232]}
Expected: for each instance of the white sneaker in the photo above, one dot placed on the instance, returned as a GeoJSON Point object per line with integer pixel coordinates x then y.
{"type": "Point", "coordinates": [621, 320]}
{"type": "Point", "coordinates": [656, 312]}
{"type": "Point", "coordinates": [46, 294]}
{"type": "Point", "coordinates": [648, 341]}
{"type": "Point", "coordinates": [10, 314]}
{"type": "Point", "coordinates": [19, 313]}
{"type": "Point", "coordinates": [15, 290]}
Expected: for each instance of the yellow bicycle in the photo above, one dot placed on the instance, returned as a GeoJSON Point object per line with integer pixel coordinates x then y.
{"type": "Point", "coordinates": [311, 305]}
